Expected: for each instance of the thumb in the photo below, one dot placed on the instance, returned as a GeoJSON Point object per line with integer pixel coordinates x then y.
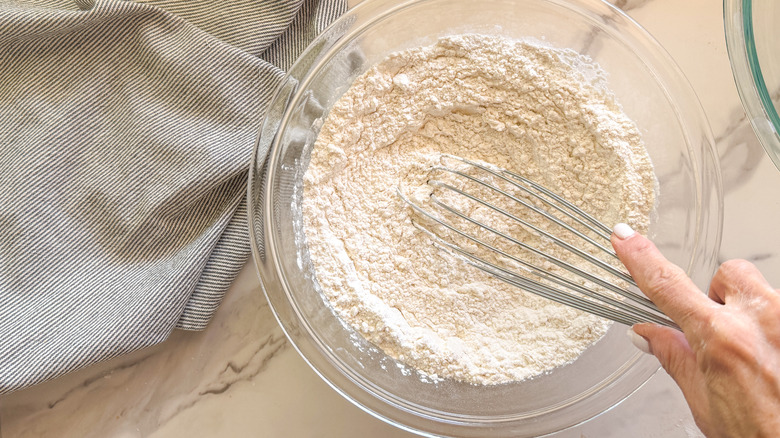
{"type": "Point", "coordinates": [674, 353]}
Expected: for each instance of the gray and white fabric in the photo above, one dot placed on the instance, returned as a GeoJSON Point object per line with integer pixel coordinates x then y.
{"type": "Point", "coordinates": [126, 130]}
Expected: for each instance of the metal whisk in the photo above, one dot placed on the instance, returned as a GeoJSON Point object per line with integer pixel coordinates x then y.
{"type": "Point", "coordinates": [608, 291]}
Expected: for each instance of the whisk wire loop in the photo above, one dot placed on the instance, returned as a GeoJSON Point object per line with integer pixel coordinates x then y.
{"type": "Point", "coordinates": [626, 313]}
{"type": "Point", "coordinates": [601, 264]}
{"type": "Point", "coordinates": [619, 303]}
{"type": "Point", "coordinates": [558, 203]}
{"type": "Point", "coordinates": [558, 262]}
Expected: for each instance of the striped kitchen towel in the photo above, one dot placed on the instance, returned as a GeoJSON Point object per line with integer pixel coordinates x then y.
{"type": "Point", "coordinates": [126, 129]}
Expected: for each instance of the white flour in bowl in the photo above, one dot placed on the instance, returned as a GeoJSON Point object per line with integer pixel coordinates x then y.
{"type": "Point", "coordinates": [545, 113]}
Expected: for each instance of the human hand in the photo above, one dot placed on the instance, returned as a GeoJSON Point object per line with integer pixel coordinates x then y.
{"type": "Point", "coordinates": [727, 359]}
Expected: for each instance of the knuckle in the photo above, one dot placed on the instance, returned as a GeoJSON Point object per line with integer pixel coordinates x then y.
{"type": "Point", "coordinates": [767, 374]}
{"type": "Point", "coordinates": [671, 359]}
{"type": "Point", "coordinates": [702, 321]}
{"type": "Point", "coordinates": [665, 279]}
{"type": "Point", "coordinates": [733, 267]}
{"type": "Point", "coordinates": [740, 282]}
{"type": "Point", "coordinates": [728, 343]}
{"type": "Point", "coordinates": [711, 322]}
{"type": "Point", "coordinates": [674, 364]}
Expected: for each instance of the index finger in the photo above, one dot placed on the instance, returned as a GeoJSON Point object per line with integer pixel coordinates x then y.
{"type": "Point", "coordinates": [662, 281]}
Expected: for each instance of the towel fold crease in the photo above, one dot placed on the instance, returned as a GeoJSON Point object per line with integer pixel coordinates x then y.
{"type": "Point", "coordinates": [126, 129]}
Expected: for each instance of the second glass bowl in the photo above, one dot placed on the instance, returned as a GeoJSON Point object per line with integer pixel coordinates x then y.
{"type": "Point", "coordinates": [753, 42]}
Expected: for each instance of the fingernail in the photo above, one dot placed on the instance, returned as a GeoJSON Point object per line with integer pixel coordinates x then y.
{"type": "Point", "coordinates": [623, 231]}
{"type": "Point", "coordinates": [639, 342]}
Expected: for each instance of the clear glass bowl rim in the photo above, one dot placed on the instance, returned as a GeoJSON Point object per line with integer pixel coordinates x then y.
{"type": "Point", "coordinates": [266, 255]}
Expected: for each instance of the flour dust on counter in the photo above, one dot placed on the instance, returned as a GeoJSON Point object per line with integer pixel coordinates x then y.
{"type": "Point", "coordinates": [543, 112]}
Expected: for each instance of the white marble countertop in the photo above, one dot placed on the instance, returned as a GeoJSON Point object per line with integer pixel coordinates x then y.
{"type": "Point", "coordinates": [240, 377]}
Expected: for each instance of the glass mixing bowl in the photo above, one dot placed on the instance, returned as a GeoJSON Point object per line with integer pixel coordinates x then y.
{"type": "Point", "coordinates": [753, 41]}
{"type": "Point", "coordinates": [686, 227]}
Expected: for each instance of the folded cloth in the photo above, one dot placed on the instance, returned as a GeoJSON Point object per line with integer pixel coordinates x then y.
{"type": "Point", "coordinates": [126, 130]}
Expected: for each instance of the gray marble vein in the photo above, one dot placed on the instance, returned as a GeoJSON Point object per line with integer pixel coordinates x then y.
{"type": "Point", "coordinates": [241, 378]}
{"type": "Point", "coordinates": [629, 5]}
